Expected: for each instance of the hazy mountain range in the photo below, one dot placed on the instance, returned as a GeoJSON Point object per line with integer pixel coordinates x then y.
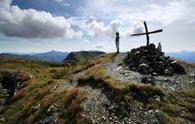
{"type": "Point", "coordinates": [58, 56]}
{"type": "Point", "coordinates": [51, 56]}
{"type": "Point", "coordinates": [184, 55]}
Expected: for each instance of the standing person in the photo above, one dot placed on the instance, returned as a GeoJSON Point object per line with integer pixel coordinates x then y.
{"type": "Point", "coordinates": [117, 41]}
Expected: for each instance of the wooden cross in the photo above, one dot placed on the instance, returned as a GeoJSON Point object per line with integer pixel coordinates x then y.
{"type": "Point", "coordinates": [147, 33]}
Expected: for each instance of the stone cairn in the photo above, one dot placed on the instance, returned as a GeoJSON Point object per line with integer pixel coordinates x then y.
{"type": "Point", "coordinates": [150, 60]}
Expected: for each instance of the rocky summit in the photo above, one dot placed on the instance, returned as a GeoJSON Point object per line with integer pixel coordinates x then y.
{"type": "Point", "coordinates": [150, 60]}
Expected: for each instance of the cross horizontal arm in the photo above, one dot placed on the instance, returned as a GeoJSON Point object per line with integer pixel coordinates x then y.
{"type": "Point", "coordinates": [157, 31]}
{"type": "Point", "coordinates": [138, 34]}
{"type": "Point", "coordinates": [152, 32]}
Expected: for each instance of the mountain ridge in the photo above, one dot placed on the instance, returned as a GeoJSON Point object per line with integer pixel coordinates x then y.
{"type": "Point", "coordinates": [59, 56]}
{"type": "Point", "coordinates": [81, 56]}
{"type": "Point", "coordinates": [99, 91]}
{"type": "Point", "coordinates": [50, 56]}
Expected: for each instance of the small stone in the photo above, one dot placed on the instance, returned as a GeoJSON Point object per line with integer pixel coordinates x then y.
{"type": "Point", "coordinates": [55, 120]}
{"type": "Point", "coordinates": [34, 109]}
{"type": "Point", "coordinates": [157, 98]}
{"type": "Point", "coordinates": [152, 118]}
{"type": "Point", "coordinates": [178, 68]}
{"type": "Point", "coordinates": [2, 119]}
{"type": "Point", "coordinates": [177, 82]}
{"type": "Point", "coordinates": [52, 108]}
{"type": "Point", "coordinates": [104, 118]}
{"type": "Point", "coordinates": [172, 88]}
{"type": "Point", "coordinates": [118, 68]}
{"type": "Point", "coordinates": [148, 80]}
{"type": "Point", "coordinates": [154, 74]}
{"type": "Point", "coordinates": [192, 75]}
{"type": "Point", "coordinates": [98, 119]}
{"type": "Point", "coordinates": [157, 111]}
{"type": "Point", "coordinates": [168, 72]}
{"type": "Point", "coordinates": [47, 120]}
{"type": "Point", "coordinates": [143, 68]}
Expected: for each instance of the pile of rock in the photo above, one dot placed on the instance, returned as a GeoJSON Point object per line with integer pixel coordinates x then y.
{"type": "Point", "coordinates": [150, 60]}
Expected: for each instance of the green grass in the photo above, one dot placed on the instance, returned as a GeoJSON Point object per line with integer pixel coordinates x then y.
{"type": "Point", "coordinates": [174, 104]}
{"type": "Point", "coordinates": [46, 75]}
{"type": "Point", "coordinates": [37, 90]}
{"type": "Point", "coordinates": [68, 103]}
{"type": "Point", "coordinates": [71, 104]}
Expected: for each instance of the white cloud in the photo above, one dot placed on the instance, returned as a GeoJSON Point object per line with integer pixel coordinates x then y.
{"type": "Point", "coordinates": [138, 28]}
{"type": "Point", "coordinates": [15, 22]}
{"type": "Point", "coordinates": [100, 30]}
{"type": "Point", "coordinates": [133, 11]}
{"type": "Point", "coordinates": [78, 21]}
{"type": "Point", "coordinates": [170, 13]}
{"type": "Point", "coordinates": [62, 2]}
{"type": "Point", "coordinates": [72, 34]}
{"type": "Point", "coordinates": [99, 46]}
{"type": "Point", "coordinates": [86, 41]}
{"type": "Point", "coordinates": [5, 4]}
{"type": "Point", "coordinates": [95, 22]}
{"type": "Point", "coordinates": [59, 0]}
{"type": "Point", "coordinates": [131, 14]}
{"type": "Point", "coordinates": [65, 4]}
{"type": "Point", "coordinates": [115, 26]}
{"type": "Point", "coordinates": [96, 29]}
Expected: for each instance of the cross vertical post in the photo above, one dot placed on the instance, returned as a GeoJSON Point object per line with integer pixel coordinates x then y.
{"type": "Point", "coordinates": [147, 34]}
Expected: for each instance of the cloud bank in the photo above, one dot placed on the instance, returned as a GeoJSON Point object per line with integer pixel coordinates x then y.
{"type": "Point", "coordinates": [85, 24]}
{"type": "Point", "coordinates": [31, 23]}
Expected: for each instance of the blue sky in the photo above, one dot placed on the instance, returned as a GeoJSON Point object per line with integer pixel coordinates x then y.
{"type": "Point", "coordinates": [73, 25]}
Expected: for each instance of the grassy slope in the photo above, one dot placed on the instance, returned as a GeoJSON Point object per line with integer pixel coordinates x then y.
{"type": "Point", "coordinates": [46, 76]}
{"type": "Point", "coordinates": [38, 90]}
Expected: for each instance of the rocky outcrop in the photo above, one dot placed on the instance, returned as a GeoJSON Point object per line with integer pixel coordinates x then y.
{"type": "Point", "coordinates": [11, 81]}
{"type": "Point", "coordinates": [150, 60]}
{"type": "Point", "coordinates": [81, 57]}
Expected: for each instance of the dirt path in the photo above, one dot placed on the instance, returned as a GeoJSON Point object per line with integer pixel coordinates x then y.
{"type": "Point", "coordinates": [117, 71]}
{"type": "Point", "coordinates": [101, 109]}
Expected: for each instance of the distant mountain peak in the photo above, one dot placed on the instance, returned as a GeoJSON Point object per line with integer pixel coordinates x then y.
{"type": "Point", "coordinates": [81, 56]}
